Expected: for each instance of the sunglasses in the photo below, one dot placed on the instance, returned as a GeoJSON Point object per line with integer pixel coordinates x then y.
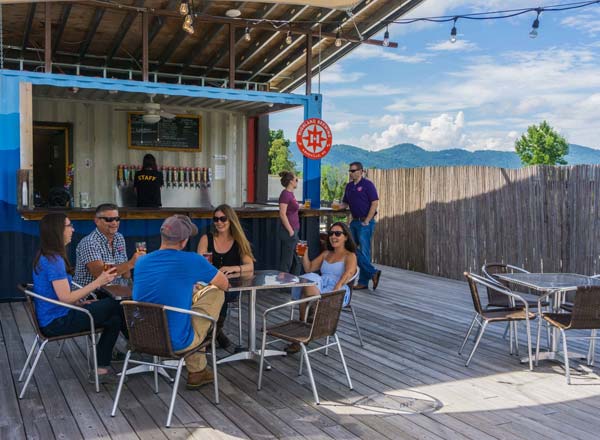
{"type": "Point", "coordinates": [111, 219]}
{"type": "Point", "coordinates": [352, 171]}
{"type": "Point", "coordinates": [221, 219]}
{"type": "Point", "coordinates": [336, 233]}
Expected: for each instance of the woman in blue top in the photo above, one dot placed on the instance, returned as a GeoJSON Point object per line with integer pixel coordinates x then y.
{"type": "Point", "coordinates": [337, 265]}
{"type": "Point", "coordinates": [52, 274]}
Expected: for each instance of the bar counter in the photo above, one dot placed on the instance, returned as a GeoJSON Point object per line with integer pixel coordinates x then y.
{"type": "Point", "coordinates": [254, 211]}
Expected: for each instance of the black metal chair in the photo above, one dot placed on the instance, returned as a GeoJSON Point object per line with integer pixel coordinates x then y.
{"type": "Point", "coordinates": [149, 333]}
{"type": "Point", "coordinates": [42, 340]}
{"type": "Point", "coordinates": [507, 314]}
{"type": "Point", "coordinates": [585, 315]}
{"type": "Point", "coordinates": [323, 325]}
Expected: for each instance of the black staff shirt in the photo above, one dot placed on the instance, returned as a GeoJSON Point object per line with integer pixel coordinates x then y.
{"type": "Point", "coordinates": [147, 184]}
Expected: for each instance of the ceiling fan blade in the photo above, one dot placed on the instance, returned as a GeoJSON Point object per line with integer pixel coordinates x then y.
{"type": "Point", "coordinates": [167, 115]}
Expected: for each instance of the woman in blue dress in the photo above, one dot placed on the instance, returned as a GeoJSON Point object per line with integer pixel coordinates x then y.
{"type": "Point", "coordinates": [337, 265]}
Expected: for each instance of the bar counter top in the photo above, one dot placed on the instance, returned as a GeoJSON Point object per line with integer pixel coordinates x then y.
{"type": "Point", "coordinates": [253, 211]}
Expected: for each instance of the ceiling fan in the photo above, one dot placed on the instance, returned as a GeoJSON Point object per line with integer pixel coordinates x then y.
{"type": "Point", "coordinates": [152, 111]}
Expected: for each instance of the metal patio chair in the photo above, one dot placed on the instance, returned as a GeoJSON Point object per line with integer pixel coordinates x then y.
{"type": "Point", "coordinates": [324, 324]}
{"type": "Point", "coordinates": [508, 314]}
{"type": "Point", "coordinates": [348, 308]}
{"type": "Point", "coordinates": [41, 340]}
{"type": "Point", "coordinates": [149, 333]}
{"type": "Point", "coordinates": [585, 315]}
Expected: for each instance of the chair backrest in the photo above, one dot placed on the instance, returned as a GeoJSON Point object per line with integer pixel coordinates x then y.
{"type": "Point", "coordinates": [351, 283]}
{"type": "Point", "coordinates": [30, 307]}
{"type": "Point", "coordinates": [148, 328]}
{"type": "Point", "coordinates": [494, 297]}
{"type": "Point", "coordinates": [476, 280]}
{"type": "Point", "coordinates": [586, 308]}
{"type": "Point", "coordinates": [327, 314]}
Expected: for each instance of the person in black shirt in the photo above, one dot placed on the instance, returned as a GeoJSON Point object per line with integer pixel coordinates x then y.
{"type": "Point", "coordinates": [147, 183]}
{"type": "Point", "coordinates": [231, 254]}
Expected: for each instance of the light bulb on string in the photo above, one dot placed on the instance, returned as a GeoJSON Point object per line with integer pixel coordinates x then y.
{"type": "Point", "coordinates": [386, 37]}
{"type": "Point", "coordinates": [188, 20]}
{"type": "Point", "coordinates": [184, 8]}
{"type": "Point", "coordinates": [534, 27]}
{"type": "Point", "coordinates": [288, 38]}
{"type": "Point", "coordinates": [338, 39]}
{"type": "Point", "coordinates": [453, 32]}
{"type": "Point", "coordinates": [247, 36]}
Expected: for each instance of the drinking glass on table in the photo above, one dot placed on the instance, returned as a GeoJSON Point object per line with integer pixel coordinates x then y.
{"type": "Point", "coordinates": [307, 203]}
{"type": "Point", "coordinates": [208, 256]}
{"type": "Point", "coordinates": [140, 246]}
{"type": "Point", "coordinates": [108, 265]}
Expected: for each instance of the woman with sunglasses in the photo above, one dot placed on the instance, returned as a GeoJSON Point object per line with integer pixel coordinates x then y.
{"type": "Point", "coordinates": [337, 265]}
{"type": "Point", "coordinates": [290, 223]}
{"type": "Point", "coordinates": [52, 275]}
{"type": "Point", "coordinates": [231, 254]}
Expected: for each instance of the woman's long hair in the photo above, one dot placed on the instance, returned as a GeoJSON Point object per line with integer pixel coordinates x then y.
{"type": "Point", "coordinates": [149, 163]}
{"type": "Point", "coordinates": [236, 230]}
{"type": "Point", "coordinates": [349, 245]}
{"type": "Point", "coordinates": [52, 240]}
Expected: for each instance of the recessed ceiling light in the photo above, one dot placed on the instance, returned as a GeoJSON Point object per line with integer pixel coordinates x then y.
{"type": "Point", "coordinates": [233, 13]}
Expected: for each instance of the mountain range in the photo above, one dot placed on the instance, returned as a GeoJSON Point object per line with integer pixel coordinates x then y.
{"type": "Point", "coordinates": [411, 156]}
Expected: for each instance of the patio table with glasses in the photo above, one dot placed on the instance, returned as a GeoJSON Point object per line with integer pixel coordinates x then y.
{"type": "Point", "coordinates": [251, 284]}
{"type": "Point", "coordinates": [551, 286]}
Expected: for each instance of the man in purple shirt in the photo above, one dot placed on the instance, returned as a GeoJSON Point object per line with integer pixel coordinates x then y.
{"type": "Point", "coordinates": [361, 196]}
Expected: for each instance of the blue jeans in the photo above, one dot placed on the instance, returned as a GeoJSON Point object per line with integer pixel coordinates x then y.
{"type": "Point", "coordinates": [362, 236]}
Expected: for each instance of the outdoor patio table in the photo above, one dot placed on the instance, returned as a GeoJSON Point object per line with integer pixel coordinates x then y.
{"type": "Point", "coordinates": [550, 285]}
{"type": "Point", "coordinates": [251, 283]}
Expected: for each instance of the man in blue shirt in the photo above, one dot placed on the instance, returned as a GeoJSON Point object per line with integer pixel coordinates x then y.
{"type": "Point", "coordinates": [362, 198]}
{"type": "Point", "coordinates": [168, 276]}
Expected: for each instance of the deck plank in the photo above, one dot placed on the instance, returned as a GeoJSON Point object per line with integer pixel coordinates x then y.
{"type": "Point", "coordinates": [412, 327]}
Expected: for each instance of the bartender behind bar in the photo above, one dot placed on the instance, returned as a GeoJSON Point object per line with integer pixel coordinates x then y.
{"type": "Point", "coordinates": [147, 183]}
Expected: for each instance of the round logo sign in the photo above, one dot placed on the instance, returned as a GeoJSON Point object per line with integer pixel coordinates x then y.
{"type": "Point", "coordinates": [314, 138]}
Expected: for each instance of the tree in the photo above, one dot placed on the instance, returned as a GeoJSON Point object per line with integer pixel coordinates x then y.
{"type": "Point", "coordinates": [333, 182]}
{"type": "Point", "coordinates": [279, 153]}
{"type": "Point", "coordinates": [542, 145]}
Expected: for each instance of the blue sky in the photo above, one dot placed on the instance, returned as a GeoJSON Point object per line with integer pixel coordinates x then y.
{"type": "Point", "coordinates": [479, 93]}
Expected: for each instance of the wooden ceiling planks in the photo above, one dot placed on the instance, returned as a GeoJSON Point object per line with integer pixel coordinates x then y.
{"type": "Point", "coordinates": [98, 33]}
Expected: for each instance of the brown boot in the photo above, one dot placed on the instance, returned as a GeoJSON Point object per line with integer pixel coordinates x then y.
{"type": "Point", "coordinates": [196, 380]}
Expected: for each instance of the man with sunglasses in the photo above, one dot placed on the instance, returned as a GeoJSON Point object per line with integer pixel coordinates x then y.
{"type": "Point", "coordinates": [104, 245]}
{"type": "Point", "coordinates": [361, 197]}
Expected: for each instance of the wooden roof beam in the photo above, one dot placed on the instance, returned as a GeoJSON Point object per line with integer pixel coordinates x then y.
{"type": "Point", "coordinates": [48, 38]}
{"type": "Point", "coordinates": [240, 36]}
{"type": "Point", "coordinates": [157, 24]}
{"type": "Point", "coordinates": [123, 29]}
{"type": "Point", "coordinates": [27, 31]}
{"type": "Point", "coordinates": [92, 28]}
{"type": "Point", "coordinates": [64, 17]}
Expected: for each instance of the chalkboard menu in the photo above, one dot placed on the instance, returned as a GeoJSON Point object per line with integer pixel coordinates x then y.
{"type": "Point", "coordinates": [182, 133]}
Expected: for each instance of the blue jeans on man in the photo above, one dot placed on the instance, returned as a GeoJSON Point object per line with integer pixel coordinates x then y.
{"type": "Point", "coordinates": [362, 236]}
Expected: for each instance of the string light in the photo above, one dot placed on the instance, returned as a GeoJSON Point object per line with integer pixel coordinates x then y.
{"type": "Point", "coordinates": [247, 36]}
{"type": "Point", "coordinates": [386, 37]}
{"type": "Point", "coordinates": [184, 8]}
{"type": "Point", "coordinates": [288, 38]}
{"type": "Point", "coordinates": [453, 32]}
{"type": "Point", "coordinates": [188, 20]}
{"type": "Point", "coordinates": [534, 27]}
{"type": "Point", "coordinates": [338, 39]}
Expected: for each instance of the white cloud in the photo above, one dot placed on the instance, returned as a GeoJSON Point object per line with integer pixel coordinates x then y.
{"type": "Point", "coordinates": [342, 125]}
{"type": "Point", "coordinates": [588, 22]}
{"type": "Point", "coordinates": [335, 74]}
{"type": "Point", "coordinates": [458, 46]}
{"type": "Point", "coordinates": [442, 132]}
{"type": "Point", "coordinates": [365, 52]}
{"type": "Point", "coordinates": [367, 90]}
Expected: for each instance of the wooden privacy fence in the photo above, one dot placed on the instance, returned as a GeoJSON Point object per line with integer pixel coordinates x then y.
{"type": "Point", "coordinates": [445, 220]}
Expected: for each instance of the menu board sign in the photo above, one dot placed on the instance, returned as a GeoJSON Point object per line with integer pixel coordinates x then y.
{"type": "Point", "coordinates": [182, 133]}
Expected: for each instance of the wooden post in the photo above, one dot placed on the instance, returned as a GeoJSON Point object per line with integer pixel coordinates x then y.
{"type": "Point", "coordinates": [48, 41]}
{"type": "Point", "coordinates": [145, 20]}
{"type": "Point", "coordinates": [231, 56]}
{"type": "Point", "coordinates": [308, 63]}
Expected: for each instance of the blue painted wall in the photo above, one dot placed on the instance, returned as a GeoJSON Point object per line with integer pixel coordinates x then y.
{"type": "Point", "coordinates": [19, 238]}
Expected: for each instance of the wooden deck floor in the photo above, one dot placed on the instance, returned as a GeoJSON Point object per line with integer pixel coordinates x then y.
{"type": "Point", "coordinates": [409, 382]}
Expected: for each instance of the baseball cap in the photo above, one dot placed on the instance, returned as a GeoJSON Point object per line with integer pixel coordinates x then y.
{"type": "Point", "coordinates": [178, 227]}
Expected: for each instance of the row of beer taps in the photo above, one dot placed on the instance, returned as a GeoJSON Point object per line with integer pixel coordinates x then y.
{"type": "Point", "coordinates": [173, 177]}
